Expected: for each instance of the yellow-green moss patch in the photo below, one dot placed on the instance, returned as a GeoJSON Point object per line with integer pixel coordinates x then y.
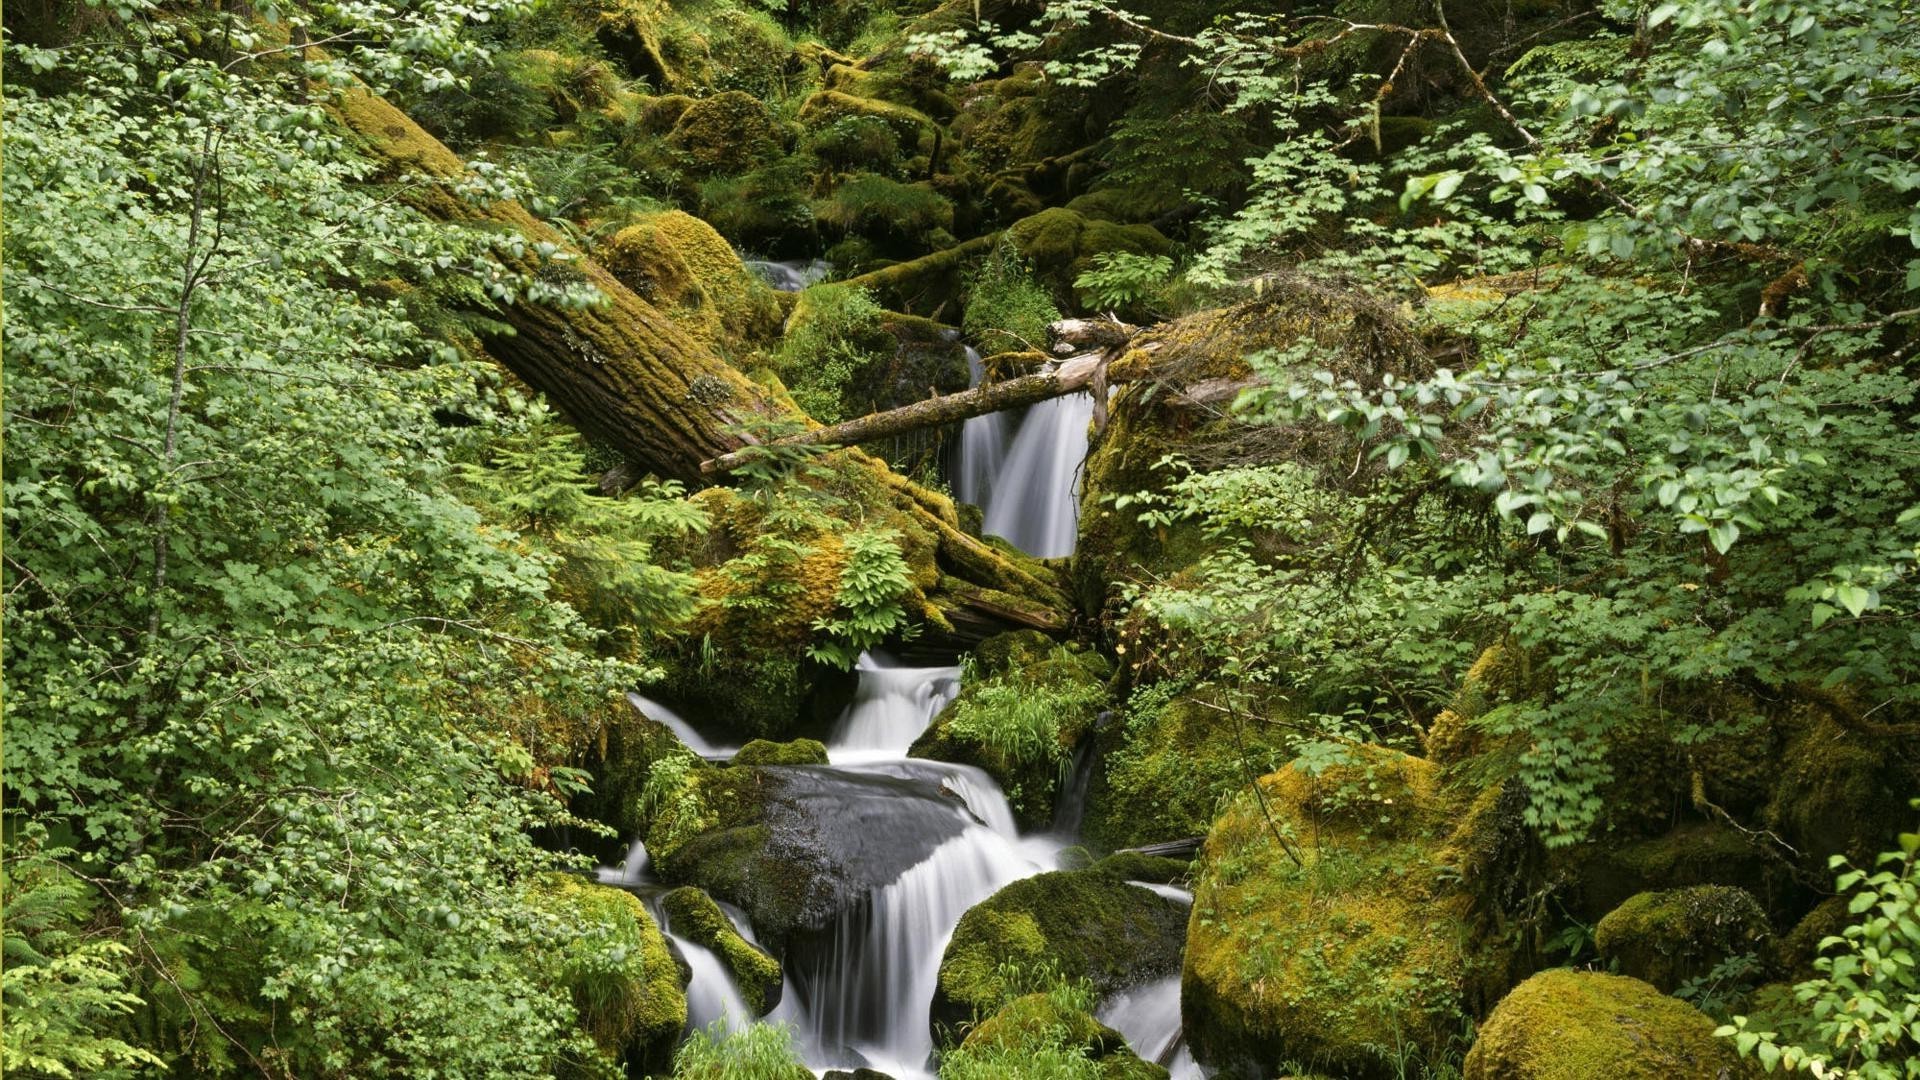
{"type": "Point", "coordinates": [1582, 1025]}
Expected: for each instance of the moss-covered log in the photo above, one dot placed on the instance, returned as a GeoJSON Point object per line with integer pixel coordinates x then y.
{"type": "Point", "coordinates": [629, 376]}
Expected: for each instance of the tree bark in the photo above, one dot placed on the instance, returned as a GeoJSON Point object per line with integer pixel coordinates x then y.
{"type": "Point", "coordinates": [625, 374]}
{"type": "Point", "coordinates": [1074, 375]}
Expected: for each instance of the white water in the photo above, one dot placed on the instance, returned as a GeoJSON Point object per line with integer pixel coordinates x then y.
{"type": "Point", "coordinates": [890, 708]}
{"type": "Point", "coordinates": [1148, 1015]}
{"type": "Point", "coordinates": [790, 276]}
{"type": "Point", "coordinates": [711, 993]}
{"type": "Point", "coordinates": [694, 741]}
{"type": "Point", "coordinates": [1034, 498]}
{"type": "Point", "coordinates": [983, 445]}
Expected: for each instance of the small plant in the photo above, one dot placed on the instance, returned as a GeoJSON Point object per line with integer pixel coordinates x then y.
{"type": "Point", "coordinates": [1121, 281]}
{"type": "Point", "coordinates": [872, 584]}
{"type": "Point", "coordinates": [755, 1052]}
{"type": "Point", "coordinates": [1006, 308]}
{"type": "Point", "coordinates": [835, 336]}
{"type": "Point", "coordinates": [1858, 1018]}
{"type": "Point", "coordinates": [1019, 717]}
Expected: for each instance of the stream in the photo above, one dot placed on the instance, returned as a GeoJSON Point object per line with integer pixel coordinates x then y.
{"type": "Point", "coordinates": [859, 991]}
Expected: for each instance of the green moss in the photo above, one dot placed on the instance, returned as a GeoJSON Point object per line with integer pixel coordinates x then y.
{"type": "Point", "coordinates": [1043, 1037]}
{"type": "Point", "coordinates": [629, 744]}
{"type": "Point", "coordinates": [1024, 706]}
{"type": "Point", "coordinates": [829, 107]}
{"type": "Point", "coordinates": [1838, 790]}
{"type": "Point", "coordinates": [1605, 873]}
{"type": "Point", "coordinates": [1801, 945]}
{"type": "Point", "coordinates": [1005, 307]}
{"type": "Point", "coordinates": [1578, 1025]}
{"type": "Point", "coordinates": [727, 133]}
{"type": "Point", "coordinates": [797, 752]}
{"type": "Point", "coordinates": [905, 217]}
{"type": "Point", "coordinates": [1133, 866]}
{"type": "Point", "coordinates": [678, 262]}
{"type": "Point", "coordinates": [1081, 924]}
{"type": "Point", "coordinates": [1170, 766]}
{"type": "Point", "coordinates": [757, 974]}
{"type": "Point", "coordinates": [1669, 937]}
{"type": "Point", "coordinates": [615, 963]}
{"type": "Point", "coordinates": [1061, 245]}
{"type": "Point", "coordinates": [1357, 955]}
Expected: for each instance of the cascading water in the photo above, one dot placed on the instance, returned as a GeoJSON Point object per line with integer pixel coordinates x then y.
{"type": "Point", "coordinates": [688, 734]}
{"type": "Point", "coordinates": [1148, 1015]}
{"type": "Point", "coordinates": [983, 445]}
{"type": "Point", "coordinates": [1034, 501]}
{"type": "Point", "coordinates": [790, 276]}
{"type": "Point", "coordinates": [711, 993]}
{"type": "Point", "coordinates": [891, 707]}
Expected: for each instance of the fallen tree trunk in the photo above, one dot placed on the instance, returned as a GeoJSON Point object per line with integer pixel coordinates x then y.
{"type": "Point", "coordinates": [628, 376]}
{"type": "Point", "coordinates": [1072, 376]}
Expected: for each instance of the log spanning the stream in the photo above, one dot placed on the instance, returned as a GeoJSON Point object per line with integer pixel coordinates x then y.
{"type": "Point", "coordinates": [1071, 376]}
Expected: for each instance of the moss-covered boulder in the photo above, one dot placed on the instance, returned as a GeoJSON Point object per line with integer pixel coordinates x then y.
{"type": "Point", "coordinates": [1578, 1025]}
{"type": "Point", "coordinates": [793, 847]}
{"type": "Point", "coordinates": [829, 107]}
{"type": "Point", "coordinates": [628, 745]}
{"type": "Point", "coordinates": [1840, 789]}
{"type": "Point", "coordinates": [797, 752]}
{"type": "Point", "coordinates": [1084, 924]}
{"type": "Point", "coordinates": [900, 217]}
{"type": "Point", "coordinates": [1028, 703]}
{"type": "Point", "coordinates": [1350, 943]}
{"type": "Point", "coordinates": [729, 132]}
{"type": "Point", "coordinates": [1165, 770]}
{"type": "Point", "coordinates": [615, 962]}
{"type": "Point", "coordinates": [1604, 872]}
{"type": "Point", "coordinates": [1669, 937]}
{"type": "Point", "coordinates": [1062, 244]}
{"type": "Point", "coordinates": [693, 913]}
{"type": "Point", "coordinates": [681, 264]}
{"type": "Point", "coordinates": [1033, 1032]}
{"type": "Point", "coordinates": [1799, 947]}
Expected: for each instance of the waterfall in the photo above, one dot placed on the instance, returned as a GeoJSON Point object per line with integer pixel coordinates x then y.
{"type": "Point", "coordinates": [1034, 497]}
{"type": "Point", "coordinates": [983, 445]}
{"type": "Point", "coordinates": [692, 738]}
{"type": "Point", "coordinates": [790, 276]}
{"type": "Point", "coordinates": [1148, 1015]}
{"type": "Point", "coordinates": [891, 707]}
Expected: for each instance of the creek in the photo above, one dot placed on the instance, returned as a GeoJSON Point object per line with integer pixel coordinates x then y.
{"type": "Point", "coordinates": [859, 990]}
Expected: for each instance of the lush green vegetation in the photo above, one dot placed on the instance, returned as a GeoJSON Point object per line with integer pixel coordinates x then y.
{"type": "Point", "coordinates": [1501, 546]}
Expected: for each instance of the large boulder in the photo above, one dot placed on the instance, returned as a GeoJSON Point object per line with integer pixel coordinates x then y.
{"type": "Point", "coordinates": [1578, 1025]}
{"type": "Point", "coordinates": [1669, 937]}
{"type": "Point", "coordinates": [1353, 940]}
{"type": "Point", "coordinates": [680, 264]}
{"type": "Point", "coordinates": [1011, 674]}
{"type": "Point", "coordinates": [729, 132]}
{"type": "Point", "coordinates": [1087, 925]}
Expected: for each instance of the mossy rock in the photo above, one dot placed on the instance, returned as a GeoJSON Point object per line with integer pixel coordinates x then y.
{"type": "Point", "coordinates": [628, 746]}
{"type": "Point", "coordinates": [907, 218]}
{"type": "Point", "coordinates": [729, 132]}
{"type": "Point", "coordinates": [1088, 924]}
{"type": "Point", "coordinates": [696, 916]}
{"type": "Point", "coordinates": [1133, 866]}
{"type": "Point", "coordinates": [638, 1010]}
{"type": "Point", "coordinates": [1502, 673]}
{"type": "Point", "coordinates": [1062, 244]}
{"type": "Point", "coordinates": [1840, 791]}
{"type": "Point", "coordinates": [1800, 946]}
{"type": "Point", "coordinates": [1363, 947]}
{"type": "Point", "coordinates": [823, 109]}
{"type": "Point", "coordinates": [1029, 660]}
{"type": "Point", "coordinates": [1014, 124]}
{"type": "Point", "coordinates": [1667, 938]}
{"type": "Point", "coordinates": [630, 32]}
{"type": "Point", "coordinates": [681, 264]}
{"type": "Point", "coordinates": [1578, 1025]}
{"type": "Point", "coordinates": [1602, 874]}
{"type": "Point", "coordinates": [797, 752]}
{"type": "Point", "coordinates": [1165, 772]}
{"type": "Point", "coordinates": [1037, 1022]}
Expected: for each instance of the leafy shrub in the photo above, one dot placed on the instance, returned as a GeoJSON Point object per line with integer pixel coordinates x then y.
{"type": "Point", "coordinates": [868, 142]}
{"type": "Point", "coordinates": [871, 585]}
{"type": "Point", "coordinates": [756, 1052]}
{"type": "Point", "coordinates": [1123, 281]}
{"type": "Point", "coordinates": [1006, 308]}
{"type": "Point", "coordinates": [1858, 1018]}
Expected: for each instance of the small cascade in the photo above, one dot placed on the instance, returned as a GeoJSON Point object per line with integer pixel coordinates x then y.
{"type": "Point", "coordinates": [790, 276]}
{"type": "Point", "coordinates": [1148, 1015]}
{"type": "Point", "coordinates": [694, 741]}
{"type": "Point", "coordinates": [868, 985]}
{"type": "Point", "coordinates": [711, 993]}
{"type": "Point", "coordinates": [983, 445]}
{"type": "Point", "coordinates": [1035, 495]}
{"type": "Point", "coordinates": [890, 709]}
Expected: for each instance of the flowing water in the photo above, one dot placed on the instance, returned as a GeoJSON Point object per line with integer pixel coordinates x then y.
{"type": "Point", "coordinates": [983, 445]}
{"type": "Point", "coordinates": [790, 276]}
{"type": "Point", "coordinates": [1034, 498]}
{"type": "Point", "coordinates": [937, 838]}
